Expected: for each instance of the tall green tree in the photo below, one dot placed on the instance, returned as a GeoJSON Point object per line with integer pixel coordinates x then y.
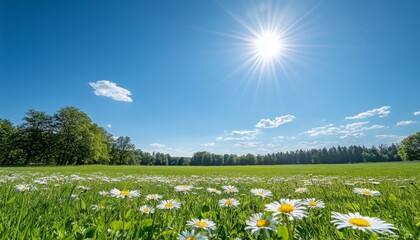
{"type": "Point", "coordinates": [410, 148]}
{"type": "Point", "coordinates": [79, 140]}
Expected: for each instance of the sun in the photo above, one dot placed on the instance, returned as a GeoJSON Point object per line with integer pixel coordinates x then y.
{"type": "Point", "coordinates": [267, 46]}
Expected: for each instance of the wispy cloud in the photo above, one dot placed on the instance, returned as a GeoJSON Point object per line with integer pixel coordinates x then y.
{"type": "Point", "coordinates": [380, 112]}
{"type": "Point", "coordinates": [247, 144]}
{"type": "Point", "coordinates": [268, 123]}
{"type": "Point", "coordinates": [416, 113]}
{"type": "Point", "coordinates": [348, 130]}
{"type": "Point", "coordinates": [212, 144]}
{"type": "Point", "coordinates": [109, 126]}
{"type": "Point", "coordinates": [239, 135]}
{"type": "Point", "coordinates": [112, 90]}
{"type": "Point", "coordinates": [157, 145]}
{"type": "Point", "coordinates": [402, 123]}
{"type": "Point", "coordinates": [390, 137]}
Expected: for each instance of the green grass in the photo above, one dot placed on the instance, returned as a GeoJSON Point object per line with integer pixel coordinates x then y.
{"type": "Point", "coordinates": [400, 169]}
{"type": "Point", "coordinates": [62, 207]}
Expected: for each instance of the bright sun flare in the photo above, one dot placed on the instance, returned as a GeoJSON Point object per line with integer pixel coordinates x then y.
{"type": "Point", "coordinates": [268, 45]}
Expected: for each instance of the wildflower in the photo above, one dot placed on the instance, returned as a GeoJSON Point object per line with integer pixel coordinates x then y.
{"type": "Point", "coordinates": [124, 193]}
{"type": "Point", "coordinates": [153, 197]}
{"type": "Point", "coordinates": [313, 203]}
{"type": "Point", "coordinates": [258, 222]}
{"type": "Point", "coordinates": [213, 190]}
{"type": "Point", "coordinates": [366, 192]}
{"type": "Point", "coordinates": [301, 190]}
{"type": "Point", "coordinates": [191, 235]}
{"type": "Point", "coordinates": [103, 193]}
{"type": "Point", "coordinates": [146, 209]}
{"type": "Point", "coordinates": [261, 192]}
{"type": "Point", "coordinates": [291, 208]}
{"type": "Point", "coordinates": [203, 224]}
{"type": "Point", "coordinates": [169, 204]}
{"type": "Point", "coordinates": [230, 189]}
{"type": "Point", "coordinates": [183, 188]}
{"type": "Point", "coordinates": [23, 187]}
{"type": "Point", "coordinates": [230, 202]}
{"type": "Point", "coordinates": [357, 221]}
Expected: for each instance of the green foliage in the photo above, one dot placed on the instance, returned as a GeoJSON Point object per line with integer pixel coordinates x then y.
{"type": "Point", "coordinates": [410, 148]}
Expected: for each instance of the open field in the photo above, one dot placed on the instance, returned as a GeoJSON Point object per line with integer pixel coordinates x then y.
{"type": "Point", "coordinates": [397, 169]}
{"type": "Point", "coordinates": [79, 202]}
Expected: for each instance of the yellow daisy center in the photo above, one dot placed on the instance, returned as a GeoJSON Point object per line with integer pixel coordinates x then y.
{"type": "Point", "coordinates": [153, 197]}
{"type": "Point", "coordinates": [24, 188]}
{"type": "Point", "coordinates": [169, 205]}
{"type": "Point", "coordinates": [190, 238]}
{"type": "Point", "coordinates": [124, 192]}
{"type": "Point", "coordinates": [201, 224]}
{"type": "Point", "coordinates": [230, 189]}
{"type": "Point", "coordinates": [360, 222]}
{"type": "Point", "coordinates": [262, 223]}
{"type": "Point", "coordinates": [313, 204]}
{"type": "Point", "coordinates": [228, 202]}
{"type": "Point", "coordinates": [261, 193]}
{"type": "Point", "coordinates": [366, 192]}
{"type": "Point", "coordinates": [286, 208]}
{"type": "Point", "coordinates": [146, 210]}
{"type": "Point", "coordinates": [213, 190]}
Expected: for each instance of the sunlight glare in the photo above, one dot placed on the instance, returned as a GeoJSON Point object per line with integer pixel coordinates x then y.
{"type": "Point", "coordinates": [268, 45]}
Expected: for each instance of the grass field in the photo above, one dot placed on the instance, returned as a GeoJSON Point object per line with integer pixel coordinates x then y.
{"type": "Point", "coordinates": [79, 202]}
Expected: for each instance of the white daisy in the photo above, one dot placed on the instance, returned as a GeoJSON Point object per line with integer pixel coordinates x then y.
{"type": "Point", "coordinates": [103, 193]}
{"type": "Point", "coordinates": [313, 203]}
{"type": "Point", "coordinates": [202, 224]}
{"type": "Point", "coordinates": [124, 193]}
{"type": "Point", "coordinates": [258, 222]}
{"type": "Point", "coordinates": [357, 221]}
{"type": "Point", "coordinates": [366, 192]}
{"type": "Point", "coordinates": [183, 188]}
{"type": "Point", "coordinates": [230, 202]}
{"type": "Point", "coordinates": [230, 189]}
{"type": "Point", "coordinates": [294, 209]}
{"type": "Point", "coordinates": [146, 209]}
{"type": "Point", "coordinates": [213, 190]}
{"type": "Point", "coordinates": [169, 204]}
{"type": "Point", "coordinates": [153, 197]}
{"type": "Point", "coordinates": [301, 190]}
{"type": "Point", "coordinates": [261, 192]}
{"type": "Point", "coordinates": [24, 187]}
{"type": "Point", "coordinates": [191, 235]}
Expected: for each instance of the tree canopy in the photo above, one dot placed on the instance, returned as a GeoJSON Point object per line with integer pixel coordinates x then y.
{"type": "Point", "coordinates": [410, 148]}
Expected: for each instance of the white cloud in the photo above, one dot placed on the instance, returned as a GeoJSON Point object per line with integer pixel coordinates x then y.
{"type": "Point", "coordinates": [352, 135]}
{"type": "Point", "coordinates": [278, 139]}
{"type": "Point", "coordinates": [244, 138]}
{"type": "Point", "coordinates": [109, 126]}
{"type": "Point", "coordinates": [109, 89]}
{"type": "Point", "coordinates": [157, 145]}
{"type": "Point", "coordinates": [402, 123]}
{"type": "Point", "coordinates": [246, 144]}
{"type": "Point", "coordinates": [350, 130]}
{"type": "Point", "coordinates": [416, 113]}
{"type": "Point", "coordinates": [268, 123]}
{"type": "Point", "coordinates": [240, 135]}
{"type": "Point", "coordinates": [212, 144]}
{"type": "Point", "coordinates": [381, 112]}
{"type": "Point", "coordinates": [245, 132]}
{"type": "Point", "coordinates": [391, 137]}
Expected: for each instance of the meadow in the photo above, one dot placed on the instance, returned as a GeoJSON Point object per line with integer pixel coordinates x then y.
{"type": "Point", "coordinates": [241, 202]}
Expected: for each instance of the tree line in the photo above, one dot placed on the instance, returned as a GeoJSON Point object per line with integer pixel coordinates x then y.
{"type": "Point", "coordinates": [69, 137]}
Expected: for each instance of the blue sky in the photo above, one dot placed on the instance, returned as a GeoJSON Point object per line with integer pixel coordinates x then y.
{"type": "Point", "coordinates": [220, 76]}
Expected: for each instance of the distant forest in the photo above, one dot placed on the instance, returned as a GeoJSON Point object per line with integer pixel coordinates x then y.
{"type": "Point", "coordinates": [69, 137]}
